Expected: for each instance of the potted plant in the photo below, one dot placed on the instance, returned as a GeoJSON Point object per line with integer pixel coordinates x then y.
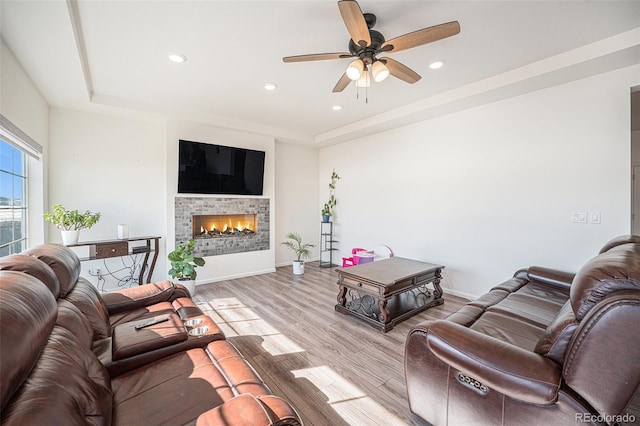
{"type": "Point", "coordinates": [302, 251]}
{"type": "Point", "coordinates": [327, 209]}
{"type": "Point", "coordinates": [70, 222]}
{"type": "Point", "coordinates": [184, 264]}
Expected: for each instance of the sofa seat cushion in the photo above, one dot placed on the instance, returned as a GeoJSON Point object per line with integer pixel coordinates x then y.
{"type": "Point", "coordinates": [528, 308]}
{"type": "Point", "coordinates": [509, 329]}
{"type": "Point", "coordinates": [179, 388]}
{"type": "Point", "coordinates": [173, 390]}
{"type": "Point", "coordinates": [558, 295]}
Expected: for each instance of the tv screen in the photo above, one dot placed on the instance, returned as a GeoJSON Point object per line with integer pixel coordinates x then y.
{"type": "Point", "coordinates": [216, 169]}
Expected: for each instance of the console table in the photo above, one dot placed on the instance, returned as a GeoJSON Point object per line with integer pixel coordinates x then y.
{"type": "Point", "coordinates": [104, 249]}
{"type": "Point", "coordinates": [385, 292]}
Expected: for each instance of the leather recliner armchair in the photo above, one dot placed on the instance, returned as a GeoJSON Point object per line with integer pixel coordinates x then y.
{"type": "Point", "coordinates": [545, 347]}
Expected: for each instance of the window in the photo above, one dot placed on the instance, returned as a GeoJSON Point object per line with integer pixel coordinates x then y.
{"type": "Point", "coordinates": [13, 199]}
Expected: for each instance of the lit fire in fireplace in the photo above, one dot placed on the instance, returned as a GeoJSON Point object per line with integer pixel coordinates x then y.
{"type": "Point", "coordinates": [224, 225]}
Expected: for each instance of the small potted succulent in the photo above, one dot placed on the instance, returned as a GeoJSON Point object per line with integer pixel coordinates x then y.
{"type": "Point", "coordinates": [70, 222]}
{"type": "Point", "coordinates": [184, 264]}
{"type": "Point", "coordinates": [302, 251]}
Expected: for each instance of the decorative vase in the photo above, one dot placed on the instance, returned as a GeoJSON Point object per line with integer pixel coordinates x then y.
{"type": "Point", "coordinates": [325, 218]}
{"type": "Point", "coordinates": [189, 285]}
{"type": "Point", "coordinates": [70, 238]}
{"type": "Point", "coordinates": [298, 267]}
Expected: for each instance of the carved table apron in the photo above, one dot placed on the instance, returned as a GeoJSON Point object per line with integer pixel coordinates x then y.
{"type": "Point", "coordinates": [386, 292]}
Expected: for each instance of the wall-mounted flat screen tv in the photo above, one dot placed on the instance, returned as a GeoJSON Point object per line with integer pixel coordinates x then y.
{"type": "Point", "coordinates": [216, 169]}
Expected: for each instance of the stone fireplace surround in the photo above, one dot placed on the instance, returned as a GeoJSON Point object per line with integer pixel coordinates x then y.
{"type": "Point", "coordinates": [186, 207]}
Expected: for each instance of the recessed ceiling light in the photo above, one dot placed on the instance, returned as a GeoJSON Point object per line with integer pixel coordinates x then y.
{"type": "Point", "coordinates": [270, 86]}
{"type": "Point", "coordinates": [177, 58]}
{"type": "Point", "coordinates": [337, 107]}
{"type": "Point", "coordinates": [436, 65]}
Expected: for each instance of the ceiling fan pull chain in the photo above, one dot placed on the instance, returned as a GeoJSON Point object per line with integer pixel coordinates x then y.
{"type": "Point", "coordinates": [366, 90]}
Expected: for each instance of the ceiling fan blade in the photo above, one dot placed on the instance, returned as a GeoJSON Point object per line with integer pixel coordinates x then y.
{"type": "Point", "coordinates": [355, 22]}
{"type": "Point", "coordinates": [342, 83]}
{"type": "Point", "coordinates": [317, 57]}
{"type": "Point", "coordinates": [420, 37]}
{"type": "Point", "coordinates": [401, 71]}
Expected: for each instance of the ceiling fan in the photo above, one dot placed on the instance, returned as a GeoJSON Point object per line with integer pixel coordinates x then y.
{"type": "Point", "coordinates": [366, 44]}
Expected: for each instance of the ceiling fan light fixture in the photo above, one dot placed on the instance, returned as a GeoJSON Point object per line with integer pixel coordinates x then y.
{"type": "Point", "coordinates": [379, 71]}
{"type": "Point", "coordinates": [355, 69]}
{"type": "Point", "coordinates": [364, 80]}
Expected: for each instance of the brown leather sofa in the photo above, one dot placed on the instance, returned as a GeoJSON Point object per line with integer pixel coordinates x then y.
{"type": "Point", "coordinates": [72, 356]}
{"type": "Point", "coordinates": [545, 347]}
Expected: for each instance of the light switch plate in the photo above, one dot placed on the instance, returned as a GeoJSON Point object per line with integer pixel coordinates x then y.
{"type": "Point", "coordinates": [579, 217]}
{"type": "Point", "coordinates": [594, 217]}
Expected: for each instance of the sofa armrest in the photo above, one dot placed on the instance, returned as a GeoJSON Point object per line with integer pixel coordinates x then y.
{"type": "Point", "coordinates": [511, 370]}
{"type": "Point", "coordinates": [551, 276]}
{"type": "Point", "coordinates": [141, 296]}
{"type": "Point", "coordinates": [248, 410]}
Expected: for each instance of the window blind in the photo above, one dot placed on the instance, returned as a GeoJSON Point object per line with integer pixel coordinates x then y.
{"type": "Point", "coordinates": [12, 134]}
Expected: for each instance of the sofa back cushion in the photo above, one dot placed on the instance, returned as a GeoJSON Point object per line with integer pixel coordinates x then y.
{"type": "Point", "coordinates": [27, 316]}
{"type": "Point", "coordinates": [617, 241]}
{"type": "Point", "coordinates": [555, 340]}
{"type": "Point", "coordinates": [88, 300]}
{"type": "Point", "coordinates": [34, 267]}
{"type": "Point", "coordinates": [68, 385]}
{"type": "Point", "coordinates": [64, 262]}
{"type": "Point", "coordinates": [617, 269]}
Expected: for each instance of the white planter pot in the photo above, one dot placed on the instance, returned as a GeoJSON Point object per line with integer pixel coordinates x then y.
{"type": "Point", "coordinates": [298, 267]}
{"type": "Point", "coordinates": [70, 237]}
{"type": "Point", "coordinates": [190, 285]}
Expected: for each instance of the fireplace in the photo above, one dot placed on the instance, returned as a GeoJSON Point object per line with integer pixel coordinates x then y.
{"type": "Point", "coordinates": [223, 225]}
{"type": "Point", "coordinates": [218, 225]}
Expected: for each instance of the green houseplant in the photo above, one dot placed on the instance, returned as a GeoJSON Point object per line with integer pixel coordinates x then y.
{"type": "Point", "coordinates": [327, 209]}
{"type": "Point", "coordinates": [302, 251]}
{"type": "Point", "coordinates": [70, 222]}
{"type": "Point", "coordinates": [184, 264]}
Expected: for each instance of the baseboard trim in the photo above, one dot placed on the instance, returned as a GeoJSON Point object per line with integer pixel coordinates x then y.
{"type": "Point", "coordinates": [447, 290]}
{"type": "Point", "coordinates": [288, 263]}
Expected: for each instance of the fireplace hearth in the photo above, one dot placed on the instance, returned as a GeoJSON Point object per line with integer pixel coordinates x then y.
{"type": "Point", "coordinates": [223, 225]}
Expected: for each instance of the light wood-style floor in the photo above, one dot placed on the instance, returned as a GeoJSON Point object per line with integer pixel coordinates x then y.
{"type": "Point", "coordinates": [334, 369]}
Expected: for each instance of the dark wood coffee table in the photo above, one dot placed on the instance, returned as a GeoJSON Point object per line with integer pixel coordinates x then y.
{"type": "Point", "coordinates": [386, 292]}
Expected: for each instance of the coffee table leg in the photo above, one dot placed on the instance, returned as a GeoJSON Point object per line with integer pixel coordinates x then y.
{"type": "Point", "coordinates": [384, 315]}
{"type": "Point", "coordinates": [437, 290]}
{"type": "Point", "coordinates": [342, 295]}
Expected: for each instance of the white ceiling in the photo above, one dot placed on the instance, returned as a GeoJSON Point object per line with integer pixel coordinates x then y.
{"type": "Point", "coordinates": [90, 54]}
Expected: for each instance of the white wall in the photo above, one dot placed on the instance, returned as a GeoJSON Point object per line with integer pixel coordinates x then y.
{"type": "Point", "coordinates": [24, 106]}
{"type": "Point", "coordinates": [111, 165]}
{"type": "Point", "coordinates": [232, 265]}
{"type": "Point", "coordinates": [490, 190]}
{"type": "Point", "coordinates": [297, 208]}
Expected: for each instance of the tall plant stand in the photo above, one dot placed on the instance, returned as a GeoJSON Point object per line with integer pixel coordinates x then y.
{"type": "Point", "coordinates": [328, 247]}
